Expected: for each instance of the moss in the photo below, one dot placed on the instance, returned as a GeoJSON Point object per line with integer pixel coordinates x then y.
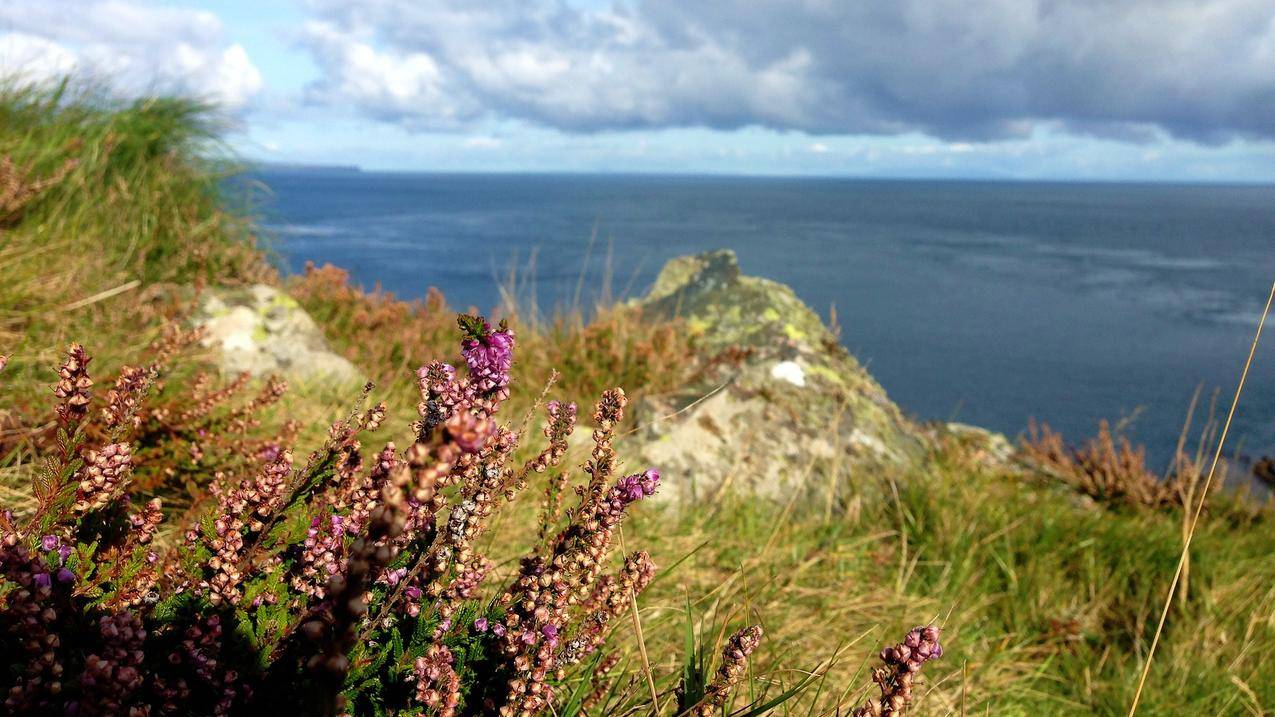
{"type": "Point", "coordinates": [826, 373]}
{"type": "Point", "coordinates": [282, 300]}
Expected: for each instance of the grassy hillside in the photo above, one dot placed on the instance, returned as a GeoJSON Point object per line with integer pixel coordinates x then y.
{"type": "Point", "coordinates": [110, 215]}
{"type": "Point", "coordinates": [107, 209]}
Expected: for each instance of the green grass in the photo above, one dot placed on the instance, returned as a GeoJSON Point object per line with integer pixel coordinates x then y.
{"type": "Point", "coordinates": [1048, 603]}
{"type": "Point", "coordinates": [133, 214]}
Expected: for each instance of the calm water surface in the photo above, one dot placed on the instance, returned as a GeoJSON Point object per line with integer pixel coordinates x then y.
{"type": "Point", "coordinates": [985, 302]}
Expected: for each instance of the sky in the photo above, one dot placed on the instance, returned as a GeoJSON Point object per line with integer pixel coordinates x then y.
{"type": "Point", "coordinates": [1163, 90]}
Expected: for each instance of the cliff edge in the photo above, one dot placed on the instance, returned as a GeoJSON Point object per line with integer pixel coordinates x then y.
{"type": "Point", "coordinates": [783, 408]}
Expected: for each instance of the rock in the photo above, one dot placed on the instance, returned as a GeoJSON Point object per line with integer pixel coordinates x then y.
{"type": "Point", "coordinates": [263, 331]}
{"type": "Point", "coordinates": [989, 449]}
{"type": "Point", "coordinates": [793, 412]}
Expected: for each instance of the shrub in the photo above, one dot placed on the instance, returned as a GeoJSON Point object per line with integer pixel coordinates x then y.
{"type": "Point", "coordinates": [336, 585]}
{"type": "Point", "coordinates": [1109, 468]}
{"type": "Point", "coordinates": [388, 336]}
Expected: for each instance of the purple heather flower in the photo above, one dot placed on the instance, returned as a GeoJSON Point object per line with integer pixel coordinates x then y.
{"type": "Point", "coordinates": [555, 408]}
{"type": "Point", "coordinates": [64, 552]}
{"type": "Point", "coordinates": [639, 485]}
{"type": "Point", "coordinates": [270, 452]}
{"type": "Point", "coordinates": [43, 580]}
{"type": "Point", "coordinates": [480, 624]}
{"type": "Point", "coordinates": [50, 542]}
{"type": "Point", "coordinates": [393, 576]}
{"type": "Point", "coordinates": [550, 631]}
{"type": "Point", "coordinates": [490, 356]}
{"type": "Point", "coordinates": [152, 557]}
{"type": "Point", "coordinates": [413, 593]}
{"type": "Point", "coordinates": [528, 637]}
{"type": "Point", "coordinates": [65, 576]}
{"type": "Point", "coordinates": [498, 629]}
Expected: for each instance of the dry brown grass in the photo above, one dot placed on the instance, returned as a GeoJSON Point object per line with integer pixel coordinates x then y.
{"type": "Point", "coordinates": [19, 188]}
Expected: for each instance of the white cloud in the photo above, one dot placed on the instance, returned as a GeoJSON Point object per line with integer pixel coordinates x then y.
{"type": "Point", "coordinates": [135, 46]}
{"type": "Point", "coordinates": [31, 58]}
{"type": "Point", "coordinates": [384, 83]}
{"type": "Point", "coordinates": [483, 142]}
{"type": "Point", "coordinates": [541, 62]}
{"type": "Point", "coordinates": [966, 70]}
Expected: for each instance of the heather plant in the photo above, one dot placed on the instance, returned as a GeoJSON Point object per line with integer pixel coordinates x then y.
{"type": "Point", "coordinates": [188, 435]}
{"type": "Point", "coordinates": [185, 433]}
{"type": "Point", "coordinates": [332, 585]}
{"type": "Point", "coordinates": [899, 666]}
{"type": "Point", "coordinates": [390, 336]}
{"type": "Point", "coordinates": [734, 663]}
{"type": "Point", "coordinates": [1109, 468]}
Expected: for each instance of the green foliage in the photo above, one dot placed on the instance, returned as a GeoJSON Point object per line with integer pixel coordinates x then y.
{"type": "Point", "coordinates": [695, 668]}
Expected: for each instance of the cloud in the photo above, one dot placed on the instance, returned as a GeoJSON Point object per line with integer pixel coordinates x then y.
{"type": "Point", "coordinates": [136, 46]}
{"type": "Point", "coordinates": [483, 143]}
{"type": "Point", "coordinates": [386, 84]}
{"type": "Point", "coordinates": [967, 70]}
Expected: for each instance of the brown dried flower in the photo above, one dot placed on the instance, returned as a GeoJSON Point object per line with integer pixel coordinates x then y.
{"type": "Point", "coordinates": [734, 663]}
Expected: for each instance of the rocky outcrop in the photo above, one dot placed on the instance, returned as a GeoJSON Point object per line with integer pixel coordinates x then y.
{"type": "Point", "coordinates": [791, 410]}
{"type": "Point", "coordinates": [263, 331]}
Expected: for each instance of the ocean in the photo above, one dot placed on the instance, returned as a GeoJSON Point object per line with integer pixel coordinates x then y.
{"type": "Point", "coordinates": [983, 302]}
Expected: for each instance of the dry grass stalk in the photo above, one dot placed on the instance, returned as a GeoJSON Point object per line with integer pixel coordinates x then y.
{"type": "Point", "coordinates": [19, 189]}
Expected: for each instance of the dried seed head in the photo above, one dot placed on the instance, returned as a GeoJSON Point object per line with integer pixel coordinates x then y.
{"type": "Point", "coordinates": [73, 387]}
{"type": "Point", "coordinates": [734, 663]}
{"type": "Point", "coordinates": [900, 665]}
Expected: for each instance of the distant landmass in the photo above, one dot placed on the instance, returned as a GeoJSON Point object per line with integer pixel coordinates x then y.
{"type": "Point", "coordinates": [291, 168]}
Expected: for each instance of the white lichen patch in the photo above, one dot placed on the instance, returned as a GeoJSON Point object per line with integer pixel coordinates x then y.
{"type": "Point", "coordinates": [789, 371]}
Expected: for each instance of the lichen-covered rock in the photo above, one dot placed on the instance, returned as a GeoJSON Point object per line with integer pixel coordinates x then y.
{"type": "Point", "coordinates": [791, 411]}
{"type": "Point", "coordinates": [263, 331]}
{"type": "Point", "coordinates": [988, 449]}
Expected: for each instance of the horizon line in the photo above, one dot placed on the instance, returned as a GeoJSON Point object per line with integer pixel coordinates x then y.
{"type": "Point", "coordinates": [308, 167]}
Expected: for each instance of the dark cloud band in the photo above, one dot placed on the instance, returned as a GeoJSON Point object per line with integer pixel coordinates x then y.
{"type": "Point", "coordinates": [958, 69]}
